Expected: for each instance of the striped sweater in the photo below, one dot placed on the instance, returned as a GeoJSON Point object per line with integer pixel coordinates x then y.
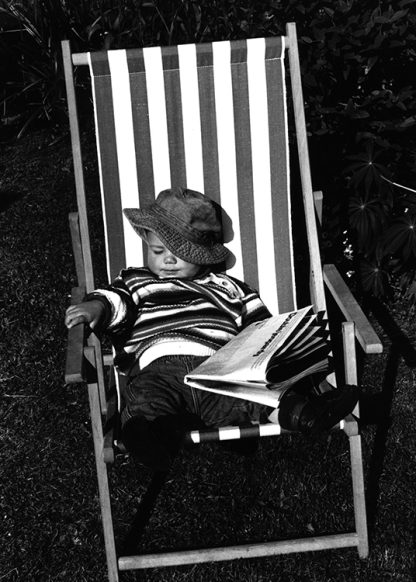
{"type": "Point", "coordinates": [148, 317]}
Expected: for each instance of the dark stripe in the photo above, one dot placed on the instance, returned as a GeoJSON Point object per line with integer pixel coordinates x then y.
{"type": "Point", "coordinates": [208, 121]}
{"type": "Point", "coordinates": [204, 56]}
{"type": "Point", "coordinates": [190, 331]}
{"type": "Point", "coordinates": [238, 50]}
{"type": "Point", "coordinates": [109, 163]}
{"type": "Point", "coordinates": [244, 162]}
{"type": "Point", "coordinates": [170, 61]}
{"type": "Point", "coordinates": [141, 130]}
{"type": "Point", "coordinates": [274, 47]}
{"type": "Point", "coordinates": [205, 436]}
{"type": "Point", "coordinates": [279, 181]}
{"type": "Point", "coordinates": [170, 58]}
{"type": "Point", "coordinates": [249, 431]}
{"type": "Point", "coordinates": [182, 319]}
{"type": "Point", "coordinates": [99, 62]}
{"type": "Point", "coordinates": [135, 61]}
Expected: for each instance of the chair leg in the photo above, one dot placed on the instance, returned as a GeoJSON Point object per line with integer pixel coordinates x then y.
{"type": "Point", "coordinates": [107, 521]}
{"type": "Point", "coordinates": [102, 475]}
{"type": "Point", "coordinates": [359, 494]}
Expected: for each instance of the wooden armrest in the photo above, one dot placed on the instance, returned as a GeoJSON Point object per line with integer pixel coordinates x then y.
{"type": "Point", "coordinates": [348, 305]}
{"type": "Point", "coordinates": [75, 362]}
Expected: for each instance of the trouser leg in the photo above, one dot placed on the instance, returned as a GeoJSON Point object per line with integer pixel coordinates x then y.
{"type": "Point", "coordinates": [157, 413]}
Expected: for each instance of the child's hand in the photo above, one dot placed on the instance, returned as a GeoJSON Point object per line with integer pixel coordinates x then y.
{"type": "Point", "coordinates": [88, 312]}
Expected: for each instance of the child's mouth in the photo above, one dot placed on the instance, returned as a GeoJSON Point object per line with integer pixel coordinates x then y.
{"type": "Point", "coordinates": [168, 272]}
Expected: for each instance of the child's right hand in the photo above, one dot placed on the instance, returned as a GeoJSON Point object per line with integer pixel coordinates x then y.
{"type": "Point", "coordinates": [87, 312]}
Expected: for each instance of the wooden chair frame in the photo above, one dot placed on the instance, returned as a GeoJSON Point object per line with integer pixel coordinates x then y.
{"type": "Point", "coordinates": [85, 362]}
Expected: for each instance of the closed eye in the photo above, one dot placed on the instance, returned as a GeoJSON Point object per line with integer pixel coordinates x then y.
{"type": "Point", "coordinates": [157, 250]}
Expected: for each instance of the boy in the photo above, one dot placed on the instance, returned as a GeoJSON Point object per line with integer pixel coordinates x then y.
{"type": "Point", "coordinates": [165, 319]}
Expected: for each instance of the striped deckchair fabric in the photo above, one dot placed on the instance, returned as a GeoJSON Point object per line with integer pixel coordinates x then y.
{"type": "Point", "coordinates": [211, 117]}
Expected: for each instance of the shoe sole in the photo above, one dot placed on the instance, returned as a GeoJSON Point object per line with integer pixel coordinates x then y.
{"type": "Point", "coordinates": [337, 404]}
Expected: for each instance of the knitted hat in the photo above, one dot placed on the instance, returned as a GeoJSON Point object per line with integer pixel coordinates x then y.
{"type": "Point", "coordinates": [186, 222]}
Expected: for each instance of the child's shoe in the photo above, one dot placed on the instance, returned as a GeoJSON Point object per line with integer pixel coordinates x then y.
{"type": "Point", "coordinates": [156, 443]}
{"type": "Point", "coordinates": [142, 440]}
{"type": "Point", "coordinates": [311, 414]}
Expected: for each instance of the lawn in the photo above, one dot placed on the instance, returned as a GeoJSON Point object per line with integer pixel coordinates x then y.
{"type": "Point", "coordinates": [50, 523]}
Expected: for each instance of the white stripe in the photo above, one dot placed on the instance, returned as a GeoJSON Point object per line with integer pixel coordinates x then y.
{"type": "Point", "coordinates": [195, 436]}
{"type": "Point", "coordinates": [226, 146]}
{"type": "Point", "coordinates": [107, 255]}
{"type": "Point", "coordinates": [157, 117]}
{"type": "Point", "coordinates": [118, 387]}
{"type": "Point", "coordinates": [173, 347]}
{"type": "Point", "coordinates": [260, 151]}
{"type": "Point", "coordinates": [270, 429]}
{"type": "Point", "coordinates": [229, 433]}
{"type": "Point", "coordinates": [123, 120]}
{"type": "Point", "coordinates": [191, 116]}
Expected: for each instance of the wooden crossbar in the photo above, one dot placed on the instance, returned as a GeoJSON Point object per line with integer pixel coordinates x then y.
{"type": "Point", "coordinates": [202, 555]}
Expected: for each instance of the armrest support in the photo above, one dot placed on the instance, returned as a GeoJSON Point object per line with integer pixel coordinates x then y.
{"type": "Point", "coordinates": [75, 362]}
{"type": "Point", "coordinates": [318, 199]}
{"type": "Point", "coordinates": [348, 305]}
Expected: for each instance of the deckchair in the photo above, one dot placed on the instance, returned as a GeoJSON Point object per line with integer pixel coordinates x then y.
{"type": "Point", "coordinates": [216, 118]}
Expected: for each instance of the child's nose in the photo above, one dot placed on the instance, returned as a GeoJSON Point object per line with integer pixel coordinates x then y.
{"type": "Point", "coordinates": [170, 259]}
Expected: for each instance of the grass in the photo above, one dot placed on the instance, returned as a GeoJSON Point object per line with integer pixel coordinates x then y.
{"type": "Point", "coordinates": [50, 523]}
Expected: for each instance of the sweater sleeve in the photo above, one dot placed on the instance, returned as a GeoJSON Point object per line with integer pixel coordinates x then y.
{"type": "Point", "coordinates": [115, 307]}
{"type": "Point", "coordinates": [120, 309]}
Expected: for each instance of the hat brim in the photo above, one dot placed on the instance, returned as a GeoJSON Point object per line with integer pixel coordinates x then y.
{"type": "Point", "coordinates": [189, 251]}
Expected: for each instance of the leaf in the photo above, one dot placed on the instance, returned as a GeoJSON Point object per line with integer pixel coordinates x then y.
{"type": "Point", "coordinates": [399, 14]}
{"type": "Point", "coordinates": [370, 64]}
{"type": "Point", "coordinates": [360, 114]}
{"type": "Point", "coordinates": [401, 235]}
{"type": "Point", "coordinates": [382, 19]}
{"type": "Point", "coordinates": [366, 217]}
{"type": "Point", "coordinates": [373, 277]}
{"type": "Point", "coordinates": [409, 122]}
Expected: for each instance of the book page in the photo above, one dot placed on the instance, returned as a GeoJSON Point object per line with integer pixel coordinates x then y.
{"type": "Point", "coordinates": [245, 390]}
{"type": "Point", "coordinates": [245, 357]}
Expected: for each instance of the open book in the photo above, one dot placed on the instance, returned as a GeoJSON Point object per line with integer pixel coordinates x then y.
{"type": "Point", "coordinates": [267, 357]}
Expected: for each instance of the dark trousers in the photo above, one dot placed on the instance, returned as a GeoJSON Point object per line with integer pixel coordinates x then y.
{"type": "Point", "coordinates": [159, 390]}
{"type": "Point", "coordinates": [159, 408]}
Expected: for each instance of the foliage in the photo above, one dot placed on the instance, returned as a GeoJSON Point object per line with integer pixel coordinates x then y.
{"type": "Point", "coordinates": [361, 107]}
{"type": "Point", "coordinates": [357, 59]}
{"type": "Point", "coordinates": [29, 44]}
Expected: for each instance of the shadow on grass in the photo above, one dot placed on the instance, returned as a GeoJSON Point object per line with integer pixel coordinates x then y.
{"type": "Point", "coordinates": [131, 544]}
{"type": "Point", "coordinates": [9, 197]}
{"type": "Point", "coordinates": [376, 409]}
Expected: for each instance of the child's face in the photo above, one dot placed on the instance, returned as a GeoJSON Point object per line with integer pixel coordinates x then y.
{"type": "Point", "coordinates": [164, 264]}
